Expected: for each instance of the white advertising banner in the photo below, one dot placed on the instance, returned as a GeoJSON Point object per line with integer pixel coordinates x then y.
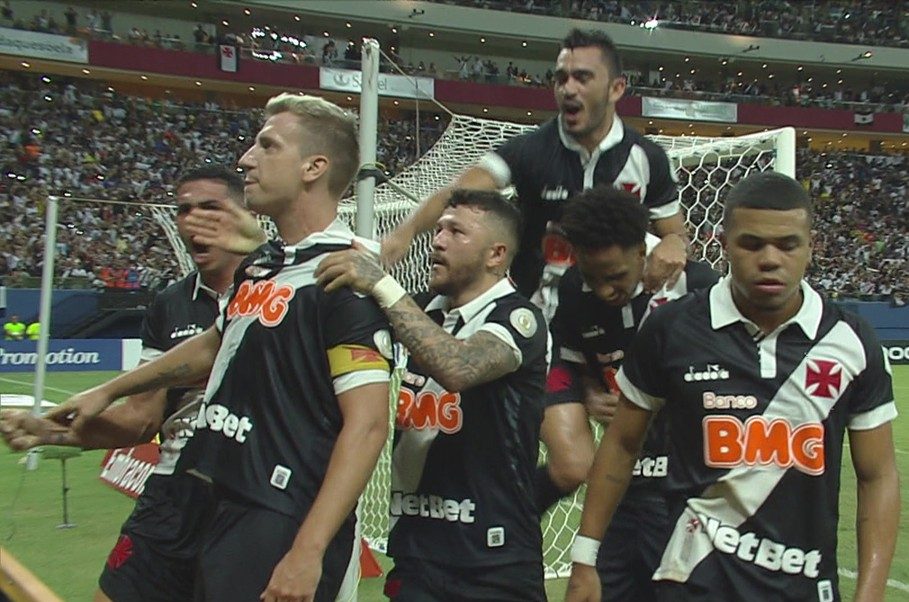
{"type": "Point", "coordinates": [696, 110]}
{"type": "Point", "coordinates": [43, 46]}
{"type": "Point", "coordinates": [348, 80]}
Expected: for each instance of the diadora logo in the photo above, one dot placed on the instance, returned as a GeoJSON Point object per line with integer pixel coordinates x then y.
{"type": "Point", "coordinates": [559, 193]}
{"type": "Point", "coordinates": [728, 443]}
{"type": "Point", "coordinates": [761, 551]}
{"type": "Point", "coordinates": [593, 331]}
{"type": "Point", "coordinates": [429, 410]}
{"type": "Point", "coordinates": [264, 299]}
{"type": "Point", "coordinates": [711, 372]}
{"type": "Point", "coordinates": [823, 378]}
{"type": "Point", "coordinates": [221, 420]}
{"type": "Point", "coordinates": [186, 331]}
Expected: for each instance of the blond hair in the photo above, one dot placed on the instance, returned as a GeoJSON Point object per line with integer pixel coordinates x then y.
{"type": "Point", "coordinates": [330, 130]}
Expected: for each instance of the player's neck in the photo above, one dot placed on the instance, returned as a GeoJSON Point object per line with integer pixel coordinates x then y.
{"type": "Point", "coordinates": [768, 320]}
{"type": "Point", "coordinates": [308, 215]}
{"type": "Point", "coordinates": [472, 291]}
{"type": "Point", "coordinates": [591, 141]}
{"type": "Point", "coordinates": [219, 280]}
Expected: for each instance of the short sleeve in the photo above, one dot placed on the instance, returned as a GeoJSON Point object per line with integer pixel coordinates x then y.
{"type": "Point", "coordinates": [871, 402]}
{"type": "Point", "coordinates": [506, 162]}
{"type": "Point", "coordinates": [521, 326]}
{"type": "Point", "coordinates": [662, 199]}
{"type": "Point", "coordinates": [641, 377]}
{"type": "Point", "coordinates": [358, 343]}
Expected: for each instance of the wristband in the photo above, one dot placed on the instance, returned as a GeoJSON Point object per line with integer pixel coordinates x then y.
{"type": "Point", "coordinates": [387, 291]}
{"type": "Point", "coordinates": [584, 550]}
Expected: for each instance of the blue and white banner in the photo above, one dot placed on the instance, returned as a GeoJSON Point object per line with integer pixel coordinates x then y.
{"type": "Point", "coordinates": [897, 351]}
{"type": "Point", "coordinates": [71, 355]}
{"type": "Point", "coordinates": [48, 46]}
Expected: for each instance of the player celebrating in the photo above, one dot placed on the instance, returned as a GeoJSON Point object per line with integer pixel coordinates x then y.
{"type": "Point", "coordinates": [154, 558]}
{"type": "Point", "coordinates": [760, 377]}
{"type": "Point", "coordinates": [586, 145]}
{"type": "Point", "coordinates": [467, 426]}
{"type": "Point", "coordinates": [601, 305]}
{"type": "Point", "coordinates": [295, 411]}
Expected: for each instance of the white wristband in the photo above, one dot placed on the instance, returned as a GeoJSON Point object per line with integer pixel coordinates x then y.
{"type": "Point", "coordinates": [584, 550]}
{"type": "Point", "coordinates": [387, 291]}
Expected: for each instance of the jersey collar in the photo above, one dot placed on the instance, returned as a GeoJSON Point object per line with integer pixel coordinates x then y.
{"type": "Point", "coordinates": [615, 135]}
{"type": "Point", "coordinates": [199, 286]}
{"type": "Point", "coordinates": [723, 311]}
{"type": "Point", "coordinates": [472, 308]}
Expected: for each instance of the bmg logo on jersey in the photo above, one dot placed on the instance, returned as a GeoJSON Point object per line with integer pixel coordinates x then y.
{"type": "Point", "coordinates": [221, 420]}
{"type": "Point", "coordinates": [429, 410]}
{"type": "Point", "coordinates": [263, 299]}
{"type": "Point", "coordinates": [729, 442]}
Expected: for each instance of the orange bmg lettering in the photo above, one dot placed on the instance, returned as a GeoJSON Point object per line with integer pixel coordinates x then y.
{"type": "Point", "coordinates": [728, 442]}
{"type": "Point", "coordinates": [427, 410]}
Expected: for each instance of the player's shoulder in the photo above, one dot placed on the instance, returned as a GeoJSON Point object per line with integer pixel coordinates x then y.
{"type": "Point", "coordinates": [538, 139]}
{"type": "Point", "coordinates": [654, 151]}
{"type": "Point", "coordinates": [700, 275]}
{"type": "Point", "coordinates": [834, 314]}
{"type": "Point", "coordinates": [523, 316]}
{"type": "Point", "coordinates": [179, 291]}
{"type": "Point", "coordinates": [693, 308]}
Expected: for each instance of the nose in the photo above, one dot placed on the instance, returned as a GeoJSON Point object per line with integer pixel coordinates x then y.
{"type": "Point", "coordinates": [606, 292]}
{"type": "Point", "coordinates": [245, 161]}
{"type": "Point", "coordinates": [769, 258]}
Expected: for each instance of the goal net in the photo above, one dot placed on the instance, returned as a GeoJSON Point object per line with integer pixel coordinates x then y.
{"type": "Point", "coordinates": [705, 168]}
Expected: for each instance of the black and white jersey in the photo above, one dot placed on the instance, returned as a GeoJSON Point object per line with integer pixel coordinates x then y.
{"type": "Point", "coordinates": [182, 310]}
{"type": "Point", "coordinates": [756, 425]}
{"type": "Point", "coordinates": [590, 339]}
{"type": "Point", "coordinates": [463, 463]}
{"type": "Point", "coordinates": [547, 167]}
{"type": "Point", "coordinates": [270, 416]}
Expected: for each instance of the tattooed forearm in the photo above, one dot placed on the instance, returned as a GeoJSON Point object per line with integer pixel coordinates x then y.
{"type": "Point", "coordinates": [455, 364]}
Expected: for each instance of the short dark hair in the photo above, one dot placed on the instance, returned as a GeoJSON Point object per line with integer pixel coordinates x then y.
{"type": "Point", "coordinates": [767, 190]}
{"type": "Point", "coordinates": [229, 177]}
{"type": "Point", "coordinates": [584, 38]}
{"type": "Point", "coordinates": [604, 216]}
{"type": "Point", "coordinates": [494, 203]}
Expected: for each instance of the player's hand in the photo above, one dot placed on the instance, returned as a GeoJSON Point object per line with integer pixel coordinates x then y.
{"type": "Point", "coordinates": [395, 246]}
{"type": "Point", "coordinates": [665, 263]}
{"type": "Point", "coordinates": [79, 408]}
{"type": "Point", "coordinates": [21, 431]}
{"type": "Point", "coordinates": [583, 585]}
{"type": "Point", "coordinates": [295, 579]}
{"type": "Point", "coordinates": [601, 405]}
{"type": "Point", "coordinates": [356, 267]}
{"type": "Point", "coordinates": [226, 226]}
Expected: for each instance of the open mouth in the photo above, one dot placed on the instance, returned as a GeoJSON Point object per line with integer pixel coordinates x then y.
{"type": "Point", "coordinates": [198, 249]}
{"type": "Point", "coordinates": [571, 110]}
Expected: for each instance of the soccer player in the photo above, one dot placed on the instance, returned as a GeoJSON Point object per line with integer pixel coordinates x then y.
{"type": "Point", "coordinates": [466, 442]}
{"type": "Point", "coordinates": [586, 145]}
{"type": "Point", "coordinates": [602, 303]}
{"type": "Point", "coordinates": [760, 378]}
{"type": "Point", "coordinates": [155, 555]}
{"type": "Point", "coordinates": [295, 410]}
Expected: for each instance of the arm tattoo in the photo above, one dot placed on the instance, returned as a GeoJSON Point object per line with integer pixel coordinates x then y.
{"type": "Point", "coordinates": [454, 363]}
{"type": "Point", "coordinates": [164, 379]}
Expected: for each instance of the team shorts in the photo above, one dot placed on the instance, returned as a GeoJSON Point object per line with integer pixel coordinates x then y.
{"type": "Point", "coordinates": [155, 557]}
{"type": "Point", "coordinates": [245, 543]}
{"type": "Point", "coordinates": [631, 550]}
{"type": "Point", "coordinates": [413, 580]}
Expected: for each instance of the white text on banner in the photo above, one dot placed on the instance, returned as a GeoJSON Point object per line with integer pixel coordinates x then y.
{"type": "Point", "coordinates": [43, 46]}
{"type": "Point", "coordinates": [695, 110]}
{"type": "Point", "coordinates": [348, 80]}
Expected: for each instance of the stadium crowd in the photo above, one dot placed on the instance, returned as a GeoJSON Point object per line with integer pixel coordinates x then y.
{"type": "Point", "coordinates": [854, 22]}
{"type": "Point", "coordinates": [866, 21]}
{"type": "Point", "coordinates": [79, 138]}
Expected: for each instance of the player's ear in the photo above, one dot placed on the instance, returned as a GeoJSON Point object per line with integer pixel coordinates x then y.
{"type": "Point", "coordinates": [313, 167]}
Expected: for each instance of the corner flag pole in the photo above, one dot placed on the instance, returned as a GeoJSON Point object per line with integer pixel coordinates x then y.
{"type": "Point", "coordinates": [369, 118]}
{"type": "Point", "coordinates": [44, 313]}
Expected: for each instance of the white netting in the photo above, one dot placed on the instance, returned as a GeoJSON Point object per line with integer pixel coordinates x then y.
{"type": "Point", "coordinates": [705, 168]}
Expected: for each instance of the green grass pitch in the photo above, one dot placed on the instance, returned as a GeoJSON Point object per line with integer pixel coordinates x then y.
{"type": "Point", "coordinates": [69, 560]}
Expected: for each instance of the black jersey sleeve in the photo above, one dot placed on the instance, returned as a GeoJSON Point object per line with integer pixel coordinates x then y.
{"type": "Point", "coordinates": [152, 329]}
{"type": "Point", "coordinates": [641, 378]}
{"type": "Point", "coordinates": [662, 193]}
{"type": "Point", "coordinates": [700, 275]}
{"type": "Point", "coordinates": [357, 341]}
{"type": "Point", "coordinates": [871, 402]}
{"type": "Point", "coordinates": [521, 326]}
{"type": "Point", "coordinates": [508, 162]}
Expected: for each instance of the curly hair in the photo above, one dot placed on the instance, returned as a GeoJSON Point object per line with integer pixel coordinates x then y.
{"type": "Point", "coordinates": [604, 216]}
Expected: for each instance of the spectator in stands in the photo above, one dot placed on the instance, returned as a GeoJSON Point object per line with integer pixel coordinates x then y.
{"type": "Point", "coordinates": [33, 332]}
{"type": "Point", "coordinates": [14, 329]}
